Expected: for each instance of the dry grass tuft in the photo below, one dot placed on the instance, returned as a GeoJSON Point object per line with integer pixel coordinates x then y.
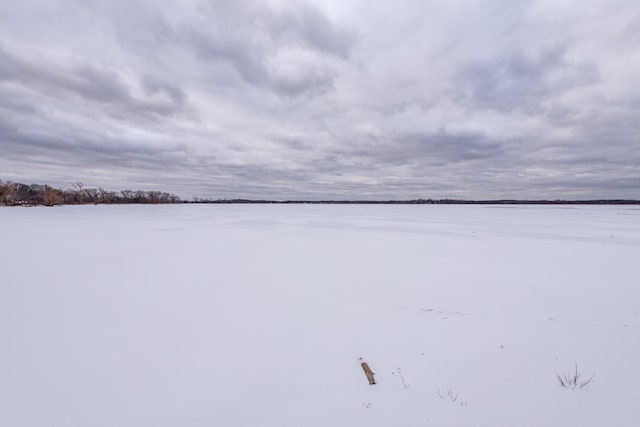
{"type": "Point", "coordinates": [572, 381]}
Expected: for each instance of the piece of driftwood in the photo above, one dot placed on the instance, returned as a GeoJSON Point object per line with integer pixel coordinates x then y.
{"type": "Point", "coordinates": [368, 372]}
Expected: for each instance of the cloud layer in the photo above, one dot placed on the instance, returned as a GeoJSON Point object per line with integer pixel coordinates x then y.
{"type": "Point", "coordinates": [296, 99]}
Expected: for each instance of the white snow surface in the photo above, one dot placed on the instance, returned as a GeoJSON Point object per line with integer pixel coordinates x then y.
{"type": "Point", "coordinates": [258, 315]}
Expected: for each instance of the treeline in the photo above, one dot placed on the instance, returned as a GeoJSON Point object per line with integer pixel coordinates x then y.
{"type": "Point", "coordinates": [18, 194]}
{"type": "Point", "coordinates": [422, 202]}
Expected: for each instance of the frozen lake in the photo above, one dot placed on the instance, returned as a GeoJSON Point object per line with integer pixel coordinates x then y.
{"type": "Point", "coordinates": [258, 315]}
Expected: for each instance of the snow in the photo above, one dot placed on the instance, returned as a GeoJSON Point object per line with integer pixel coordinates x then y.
{"type": "Point", "coordinates": [258, 315]}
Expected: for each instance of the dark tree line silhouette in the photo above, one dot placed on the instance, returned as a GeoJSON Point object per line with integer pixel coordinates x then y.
{"type": "Point", "coordinates": [420, 202]}
{"type": "Point", "coordinates": [18, 194]}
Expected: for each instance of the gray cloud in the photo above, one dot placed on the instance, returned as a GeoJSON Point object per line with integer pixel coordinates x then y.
{"type": "Point", "coordinates": [325, 99]}
{"type": "Point", "coordinates": [518, 81]}
{"type": "Point", "coordinates": [83, 82]}
{"type": "Point", "coordinates": [153, 85]}
{"type": "Point", "coordinates": [255, 40]}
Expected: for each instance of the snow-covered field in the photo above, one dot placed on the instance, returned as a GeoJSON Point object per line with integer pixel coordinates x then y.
{"type": "Point", "coordinates": [247, 315]}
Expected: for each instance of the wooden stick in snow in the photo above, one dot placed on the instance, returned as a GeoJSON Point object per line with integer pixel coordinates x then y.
{"type": "Point", "coordinates": [368, 372]}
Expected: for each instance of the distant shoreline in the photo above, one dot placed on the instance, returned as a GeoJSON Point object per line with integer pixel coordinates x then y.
{"type": "Point", "coordinates": [420, 202]}
{"type": "Point", "coordinates": [19, 194]}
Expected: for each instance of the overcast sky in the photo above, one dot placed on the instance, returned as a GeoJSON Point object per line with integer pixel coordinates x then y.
{"type": "Point", "coordinates": [324, 99]}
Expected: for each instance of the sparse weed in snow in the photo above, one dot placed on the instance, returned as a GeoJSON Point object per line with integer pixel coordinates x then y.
{"type": "Point", "coordinates": [453, 397]}
{"type": "Point", "coordinates": [571, 380]}
{"type": "Point", "coordinates": [398, 373]}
